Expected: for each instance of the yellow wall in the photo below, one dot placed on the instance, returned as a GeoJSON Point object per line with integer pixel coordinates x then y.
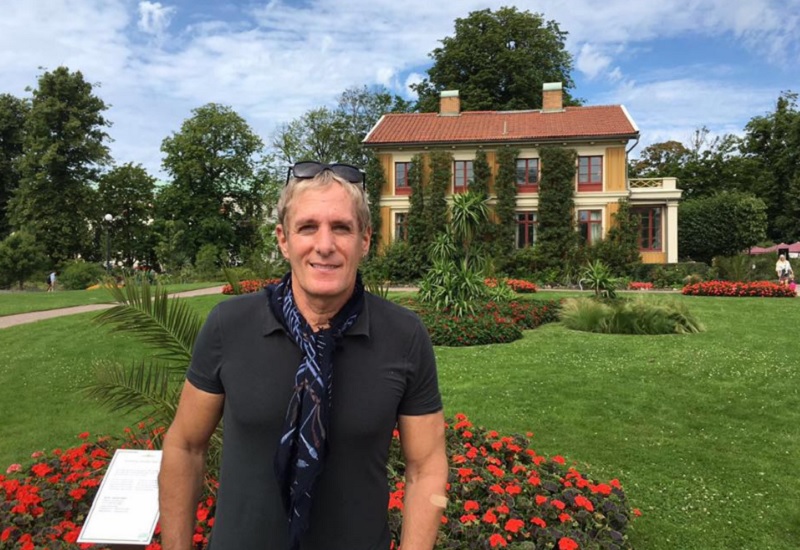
{"type": "Point", "coordinates": [388, 169]}
{"type": "Point", "coordinates": [491, 159]}
{"type": "Point", "coordinates": [386, 226]}
{"type": "Point", "coordinates": [615, 169]}
{"type": "Point", "coordinates": [653, 257]}
{"type": "Point", "coordinates": [610, 209]}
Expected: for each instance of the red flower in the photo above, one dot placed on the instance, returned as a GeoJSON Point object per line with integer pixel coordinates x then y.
{"type": "Point", "coordinates": [84, 435]}
{"type": "Point", "coordinates": [558, 504]}
{"type": "Point", "coordinates": [497, 540]}
{"type": "Point", "coordinates": [41, 470]}
{"type": "Point", "coordinates": [564, 517]}
{"type": "Point", "coordinates": [471, 506]}
{"type": "Point", "coordinates": [489, 517]}
{"type": "Point", "coordinates": [514, 525]}
{"type": "Point", "coordinates": [567, 543]}
{"type": "Point", "coordinates": [584, 502]}
{"type": "Point", "coordinates": [540, 499]}
{"type": "Point", "coordinates": [539, 521]}
{"type": "Point", "coordinates": [466, 518]}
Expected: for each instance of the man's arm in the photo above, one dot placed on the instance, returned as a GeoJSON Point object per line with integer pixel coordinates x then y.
{"type": "Point", "coordinates": [423, 444]}
{"type": "Point", "coordinates": [183, 460]}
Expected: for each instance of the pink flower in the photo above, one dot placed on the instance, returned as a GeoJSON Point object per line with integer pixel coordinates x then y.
{"type": "Point", "coordinates": [14, 468]}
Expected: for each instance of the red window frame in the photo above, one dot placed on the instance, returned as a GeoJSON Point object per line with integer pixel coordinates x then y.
{"type": "Point", "coordinates": [585, 226]}
{"type": "Point", "coordinates": [650, 228]}
{"type": "Point", "coordinates": [525, 185]}
{"type": "Point", "coordinates": [461, 181]}
{"type": "Point", "coordinates": [401, 226]}
{"type": "Point", "coordinates": [590, 173]}
{"type": "Point", "coordinates": [401, 185]}
{"type": "Point", "coordinates": [527, 227]}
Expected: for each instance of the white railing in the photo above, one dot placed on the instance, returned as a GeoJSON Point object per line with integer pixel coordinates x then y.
{"type": "Point", "coordinates": [653, 183]}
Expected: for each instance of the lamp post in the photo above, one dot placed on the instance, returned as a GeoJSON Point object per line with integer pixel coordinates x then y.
{"type": "Point", "coordinates": [108, 218]}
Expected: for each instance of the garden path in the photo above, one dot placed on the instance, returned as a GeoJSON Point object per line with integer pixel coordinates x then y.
{"type": "Point", "coordinates": [23, 318]}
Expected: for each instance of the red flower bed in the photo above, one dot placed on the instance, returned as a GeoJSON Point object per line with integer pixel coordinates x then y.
{"type": "Point", "coordinates": [517, 285]}
{"type": "Point", "coordinates": [761, 289]}
{"type": "Point", "coordinates": [501, 492]}
{"type": "Point", "coordinates": [253, 285]}
{"type": "Point", "coordinates": [634, 285]}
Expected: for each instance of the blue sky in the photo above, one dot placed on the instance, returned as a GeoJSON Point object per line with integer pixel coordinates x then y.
{"type": "Point", "coordinates": [676, 65]}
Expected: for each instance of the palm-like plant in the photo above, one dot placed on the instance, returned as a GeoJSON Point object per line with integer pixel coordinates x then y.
{"type": "Point", "coordinates": [599, 278]}
{"type": "Point", "coordinates": [469, 211]}
{"type": "Point", "coordinates": [169, 327]}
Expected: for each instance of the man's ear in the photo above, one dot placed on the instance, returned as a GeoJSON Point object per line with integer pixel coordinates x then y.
{"type": "Point", "coordinates": [366, 239]}
{"type": "Point", "coordinates": [282, 244]}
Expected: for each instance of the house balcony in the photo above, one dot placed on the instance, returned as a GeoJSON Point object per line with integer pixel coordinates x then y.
{"type": "Point", "coordinates": [649, 189]}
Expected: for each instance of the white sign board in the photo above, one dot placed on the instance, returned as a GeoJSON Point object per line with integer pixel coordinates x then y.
{"type": "Point", "coordinates": [125, 510]}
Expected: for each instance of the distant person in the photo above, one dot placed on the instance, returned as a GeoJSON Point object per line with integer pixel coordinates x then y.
{"type": "Point", "coordinates": [784, 270]}
{"type": "Point", "coordinates": [51, 281]}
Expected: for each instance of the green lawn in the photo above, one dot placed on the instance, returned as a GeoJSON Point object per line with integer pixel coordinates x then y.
{"type": "Point", "coordinates": [702, 430]}
{"type": "Point", "coordinates": [23, 302]}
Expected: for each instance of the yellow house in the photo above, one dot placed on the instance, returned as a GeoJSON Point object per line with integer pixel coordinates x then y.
{"type": "Point", "coordinates": [601, 136]}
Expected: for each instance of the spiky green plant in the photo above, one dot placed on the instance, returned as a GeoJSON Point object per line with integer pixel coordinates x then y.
{"type": "Point", "coordinates": [166, 325]}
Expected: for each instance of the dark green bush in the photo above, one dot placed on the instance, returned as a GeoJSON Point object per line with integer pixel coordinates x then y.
{"type": "Point", "coordinates": [79, 275]}
{"type": "Point", "coordinates": [397, 263]}
{"type": "Point", "coordinates": [492, 323]}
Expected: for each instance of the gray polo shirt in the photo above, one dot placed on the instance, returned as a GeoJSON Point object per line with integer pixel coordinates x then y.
{"type": "Point", "coordinates": [385, 367]}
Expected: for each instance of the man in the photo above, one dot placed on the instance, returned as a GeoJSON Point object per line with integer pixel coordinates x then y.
{"type": "Point", "coordinates": [310, 378]}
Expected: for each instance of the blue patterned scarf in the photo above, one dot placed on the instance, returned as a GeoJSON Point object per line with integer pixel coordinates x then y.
{"type": "Point", "coordinates": [300, 457]}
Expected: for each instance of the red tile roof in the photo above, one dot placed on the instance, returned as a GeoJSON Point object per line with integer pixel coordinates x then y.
{"type": "Point", "coordinates": [611, 121]}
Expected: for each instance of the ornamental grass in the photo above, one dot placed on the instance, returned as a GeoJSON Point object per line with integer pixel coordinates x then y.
{"type": "Point", "coordinates": [501, 492]}
{"type": "Point", "coordinates": [629, 316]}
{"type": "Point", "coordinates": [759, 289]}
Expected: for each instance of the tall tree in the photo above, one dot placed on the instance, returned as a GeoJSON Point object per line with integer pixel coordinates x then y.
{"type": "Point", "coordinates": [774, 142]}
{"type": "Point", "coordinates": [20, 258]}
{"type": "Point", "coordinates": [13, 112]}
{"type": "Point", "coordinates": [498, 61]}
{"type": "Point", "coordinates": [327, 135]}
{"type": "Point", "coordinates": [64, 150]}
{"type": "Point", "coordinates": [724, 224]}
{"type": "Point", "coordinates": [216, 188]}
{"type": "Point", "coordinates": [126, 193]}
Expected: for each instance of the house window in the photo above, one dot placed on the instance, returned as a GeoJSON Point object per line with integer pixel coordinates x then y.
{"type": "Point", "coordinates": [527, 224]}
{"type": "Point", "coordinates": [527, 175]}
{"type": "Point", "coordinates": [401, 170]}
{"type": "Point", "coordinates": [590, 225]}
{"type": "Point", "coordinates": [462, 175]}
{"type": "Point", "coordinates": [401, 226]}
{"type": "Point", "coordinates": [649, 227]}
{"type": "Point", "coordinates": [590, 173]}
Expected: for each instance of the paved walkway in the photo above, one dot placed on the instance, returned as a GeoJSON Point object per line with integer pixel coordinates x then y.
{"type": "Point", "coordinates": [23, 318]}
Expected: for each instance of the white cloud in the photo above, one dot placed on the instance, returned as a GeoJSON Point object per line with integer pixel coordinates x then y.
{"type": "Point", "coordinates": [273, 60]}
{"type": "Point", "coordinates": [591, 61]}
{"type": "Point", "coordinates": [154, 18]}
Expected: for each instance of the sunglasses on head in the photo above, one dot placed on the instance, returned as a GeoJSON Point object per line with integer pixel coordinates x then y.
{"type": "Point", "coordinates": [308, 169]}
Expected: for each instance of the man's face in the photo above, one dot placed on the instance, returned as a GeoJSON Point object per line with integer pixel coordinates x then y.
{"type": "Point", "coordinates": [321, 239]}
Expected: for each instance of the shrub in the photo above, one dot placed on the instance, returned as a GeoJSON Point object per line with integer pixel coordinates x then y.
{"type": "Point", "coordinates": [454, 287]}
{"type": "Point", "coordinates": [479, 328]}
{"type": "Point", "coordinates": [398, 263]}
{"type": "Point", "coordinates": [762, 289]}
{"type": "Point", "coordinates": [251, 285]}
{"type": "Point", "coordinates": [636, 285]}
{"type": "Point", "coordinates": [517, 285]}
{"type": "Point", "coordinates": [628, 317]}
{"type": "Point", "coordinates": [492, 323]}
{"type": "Point", "coordinates": [599, 278]}
{"type": "Point", "coordinates": [208, 262]}
{"type": "Point", "coordinates": [79, 275]}
{"type": "Point", "coordinates": [501, 493]}
{"type": "Point", "coordinates": [504, 494]}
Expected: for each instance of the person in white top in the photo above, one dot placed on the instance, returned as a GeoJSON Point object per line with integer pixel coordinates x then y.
{"type": "Point", "coordinates": [784, 270]}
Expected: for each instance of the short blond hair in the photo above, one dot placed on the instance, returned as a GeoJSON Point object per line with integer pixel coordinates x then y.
{"type": "Point", "coordinates": [323, 180]}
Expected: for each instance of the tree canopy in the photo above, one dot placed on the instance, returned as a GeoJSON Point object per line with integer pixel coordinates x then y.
{"type": "Point", "coordinates": [64, 148]}
{"type": "Point", "coordinates": [498, 61]}
{"type": "Point", "coordinates": [217, 187]}
{"type": "Point", "coordinates": [13, 112]}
